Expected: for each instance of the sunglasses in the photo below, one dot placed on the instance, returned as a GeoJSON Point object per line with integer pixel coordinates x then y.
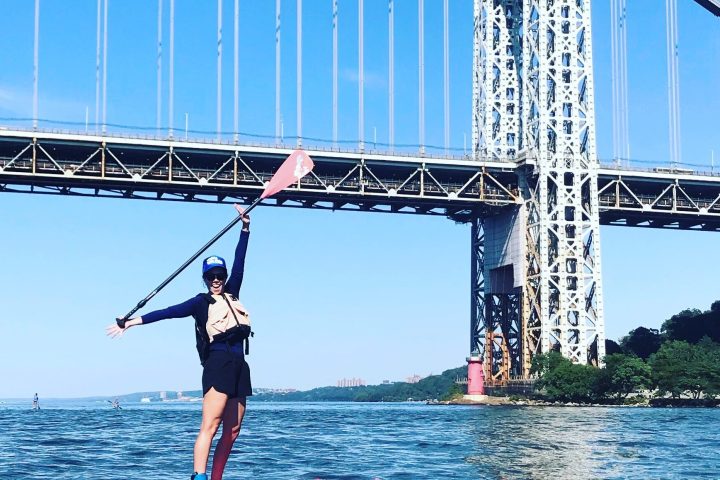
{"type": "Point", "coordinates": [215, 276]}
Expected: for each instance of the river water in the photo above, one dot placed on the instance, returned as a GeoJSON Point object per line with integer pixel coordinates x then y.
{"type": "Point", "coordinates": [363, 441]}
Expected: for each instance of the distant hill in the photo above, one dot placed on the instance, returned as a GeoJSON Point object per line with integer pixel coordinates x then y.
{"type": "Point", "coordinates": [429, 388]}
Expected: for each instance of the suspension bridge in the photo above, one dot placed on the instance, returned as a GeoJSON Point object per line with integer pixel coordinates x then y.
{"type": "Point", "coordinates": [531, 185]}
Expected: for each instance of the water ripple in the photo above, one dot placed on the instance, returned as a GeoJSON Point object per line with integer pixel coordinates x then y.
{"type": "Point", "coordinates": [366, 441]}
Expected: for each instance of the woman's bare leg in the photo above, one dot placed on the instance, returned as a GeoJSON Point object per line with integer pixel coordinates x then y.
{"type": "Point", "coordinates": [231, 421]}
{"type": "Point", "coordinates": [212, 412]}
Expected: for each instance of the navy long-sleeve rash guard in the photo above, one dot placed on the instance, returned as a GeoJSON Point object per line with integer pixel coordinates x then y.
{"type": "Point", "coordinates": [189, 307]}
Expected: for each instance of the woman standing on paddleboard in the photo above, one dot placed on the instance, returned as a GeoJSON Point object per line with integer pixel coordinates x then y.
{"type": "Point", "coordinates": [222, 329]}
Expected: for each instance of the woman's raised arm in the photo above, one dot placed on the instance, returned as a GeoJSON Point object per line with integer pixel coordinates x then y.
{"type": "Point", "coordinates": [238, 267]}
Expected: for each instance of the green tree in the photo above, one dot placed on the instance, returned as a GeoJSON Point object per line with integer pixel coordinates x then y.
{"type": "Point", "coordinates": [562, 380]}
{"type": "Point", "coordinates": [692, 325]}
{"type": "Point", "coordinates": [679, 367]}
{"type": "Point", "coordinates": [642, 341]}
{"type": "Point", "coordinates": [612, 346]}
{"type": "Point", "coordinates": [704, 369]}
{"type": "Point", "coordinates": [623, 374]}
{"type": "Point", "coordinates": [715, 307]}
{"type": "Point", "coordinates": [541, 364]}
{"type": "Point", "coordinates": [455, 391]}
{"type": "Point", "coordinates": [675, 328]}
{"type": "Point", "coordinates": [670, 367]}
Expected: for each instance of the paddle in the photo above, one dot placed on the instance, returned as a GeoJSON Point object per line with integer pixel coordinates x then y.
{"type": "Point", "coordinates": [296, 166]}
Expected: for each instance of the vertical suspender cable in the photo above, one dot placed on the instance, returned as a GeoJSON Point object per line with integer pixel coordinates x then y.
{"type": "Point", "coordinates": [104, 82]}
{"type": "Point", "coordinates": [446, 74]}
{"type": "Point", "coordinates": [624, 80]}
{"type": "Point", "coordinates": [277, 72]}
{"type": "Point", "coordinates": [361, 78]}
{"type": "Point", "coordinates": [615, 81]}
{"type": "Point", "coordinates": [335, 74]}
{"type": "Point", "coordinates": [299, 74]}
{"type": "Point", "coordinates": [171, 86]}
{"type": "Point", "coordinates": [421, 75]}
{"type": "Point", "coordinates": [621, 135]}
{"type": "Point", "coordinates": [668, 58]}
{"type": "Point", "coordinates": [391, 74]}
{"type": "Point", "coordinates": [236, 73]}
{"type": "Point", "coordinates": [673, 80]}
{"type": "Point", "coordinates": [159, 68]}
{"type": "Point", "coordinates": [676, 83]}
{"type": "Point", "coordinates": [219, 69]}
{"type": "Point", "coordinates": [97, 68]}
{"type": "Point", "coordinates": [35, 64]}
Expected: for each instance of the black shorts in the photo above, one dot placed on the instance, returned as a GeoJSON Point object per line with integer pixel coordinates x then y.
{"type": "Point", "coordinates": [228, 372]}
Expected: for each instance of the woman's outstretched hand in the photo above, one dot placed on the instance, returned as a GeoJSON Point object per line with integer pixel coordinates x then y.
{"type": "Point", "coordinates": [114, 331]}
{"type": "Point", "coordinates": [245, 218]}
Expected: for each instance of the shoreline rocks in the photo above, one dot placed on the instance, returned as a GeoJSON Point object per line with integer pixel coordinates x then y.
{"type": "Point", "coordinates": [488, 400]}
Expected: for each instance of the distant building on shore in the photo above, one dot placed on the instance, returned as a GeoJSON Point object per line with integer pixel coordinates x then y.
{"type": "Point", "coordinates": [351, 382]}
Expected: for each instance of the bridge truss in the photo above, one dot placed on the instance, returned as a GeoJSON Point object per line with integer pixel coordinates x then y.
{"type": "Point", "coordinates": [105, 166]}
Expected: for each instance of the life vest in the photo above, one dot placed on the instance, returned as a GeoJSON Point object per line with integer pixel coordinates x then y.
{"type": "Point", "coordinates": [224, 315]}
{"type": "Point", "coordinates": [239, 330]}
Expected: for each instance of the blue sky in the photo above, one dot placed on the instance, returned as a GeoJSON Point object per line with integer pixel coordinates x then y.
{"type": "Point", "coordinates": [375, 296]}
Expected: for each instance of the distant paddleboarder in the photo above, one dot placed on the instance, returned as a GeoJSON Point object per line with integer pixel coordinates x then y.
{"type": "Point", "coordinates": [36, 402]}
{"type": "Point", "coordinates": [222, 328]}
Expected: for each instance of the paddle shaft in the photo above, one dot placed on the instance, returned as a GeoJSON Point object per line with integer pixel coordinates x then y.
{"type": "Point", "coordinates": [141, 304]}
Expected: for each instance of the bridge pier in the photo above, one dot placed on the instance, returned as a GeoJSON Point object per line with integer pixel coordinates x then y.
{"type": "Point", "coordinates": [497, 281]}
{"type": "Point", "coordinates": [476, 360]}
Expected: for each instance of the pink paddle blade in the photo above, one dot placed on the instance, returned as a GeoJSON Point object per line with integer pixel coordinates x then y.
{"type": "Point", "coordinates": [297, 165]}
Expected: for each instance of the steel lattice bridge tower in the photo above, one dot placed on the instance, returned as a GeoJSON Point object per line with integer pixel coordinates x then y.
{"type": "Point", "coordinates": [537, 282]}
{"type": "Point", "coordinates": [532, 190]}
{"type": "Point", "coordinates": [534, 102]}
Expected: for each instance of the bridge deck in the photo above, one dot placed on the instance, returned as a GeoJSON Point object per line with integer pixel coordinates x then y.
{"type": "Point", "coordinates": [91, 165]}
{"type": "Point", "coordinates": [176, 170]}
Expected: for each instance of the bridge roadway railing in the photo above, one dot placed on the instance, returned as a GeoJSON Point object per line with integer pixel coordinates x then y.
{"type": "Point", "coordinates": [150, 168]}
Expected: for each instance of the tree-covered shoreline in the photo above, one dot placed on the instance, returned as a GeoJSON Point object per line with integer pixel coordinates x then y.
{"type": "Point", "coordinates": [434, 387]}
{"type": "Point", "coordinates": [676, 365]}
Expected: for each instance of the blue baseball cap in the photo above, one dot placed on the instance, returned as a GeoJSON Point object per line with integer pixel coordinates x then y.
{"type": "Point", "coordinates": [213, 262]}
